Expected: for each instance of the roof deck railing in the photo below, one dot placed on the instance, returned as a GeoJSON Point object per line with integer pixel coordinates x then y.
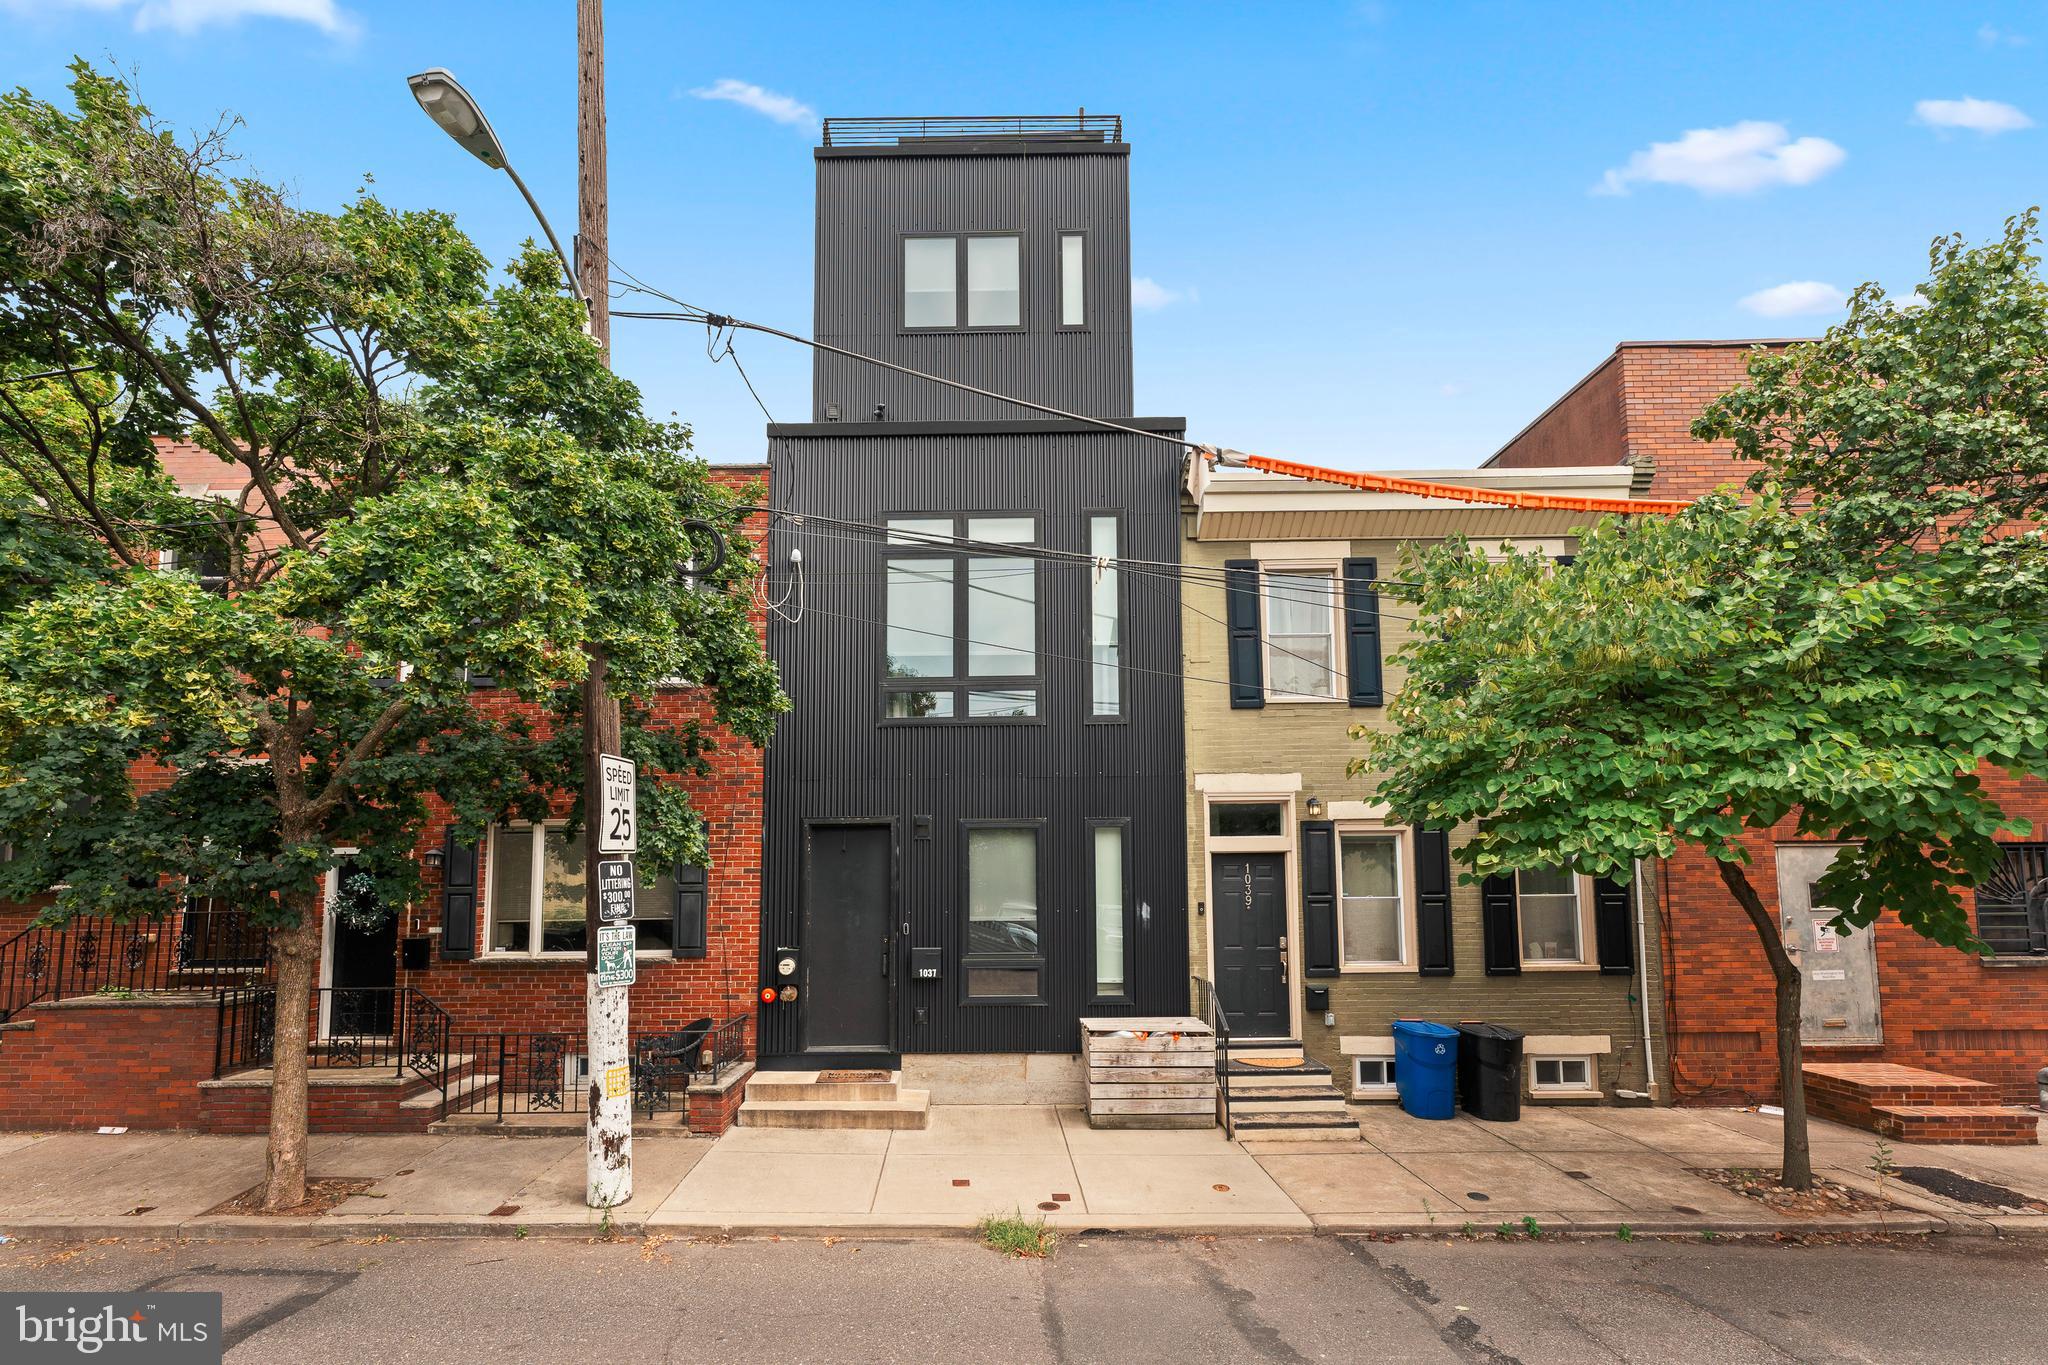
{"type": "Point", "coordinates": [1081, 126]}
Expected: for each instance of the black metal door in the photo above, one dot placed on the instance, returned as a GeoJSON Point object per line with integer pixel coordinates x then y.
{"type": "Point", "coordinates": [847, 947]}
{"type": "Point", "coordinates": [365, 969]}
{"type": "Point", "coordinates": [1248, 917]}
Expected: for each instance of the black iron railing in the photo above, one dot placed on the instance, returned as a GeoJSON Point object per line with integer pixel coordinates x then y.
{"type": "Point", "coordinates": [889, 132]}
{"type": "Point", "coordinates": [1209, 1010]}
{"type": "Point", "coordinates": [199, 949]}
{"type": "Point", "coordinates": [549, 1072]}
{"type": "Point", "coordinates": [373, 1028]}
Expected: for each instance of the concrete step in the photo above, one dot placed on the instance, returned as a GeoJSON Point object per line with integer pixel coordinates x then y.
{"type": "Point", "coordinates": [824, 1086]}
{"type": "Point", "coordinates": [1318, 1127]}
{"type": "Point", "coordinates": [1239, 1067]}
{"type": "Point", "coordinates": [1973, 1125]}
{"type": "Point", "coordinates": [909, 1110]}
{"type": "Point", "coordinates": [463, 1087]}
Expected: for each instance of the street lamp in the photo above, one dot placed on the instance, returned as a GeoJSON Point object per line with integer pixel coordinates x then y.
{"type": "Point", "coordinates": [462, 118]}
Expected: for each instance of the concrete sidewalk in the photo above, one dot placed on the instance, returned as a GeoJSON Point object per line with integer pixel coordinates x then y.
{"type": "Point", "coordinates": [1587, 1171]}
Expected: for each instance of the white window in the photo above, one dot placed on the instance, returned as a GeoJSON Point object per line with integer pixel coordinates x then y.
{"type": "Point", "coordinates": [1301, 635]}
{"type": "Point", "coordinates": [1004, 958]}
{"type": "Point", "coordinates": [994, 292]}
{"type": "Point", "coordinates": [535, 890]}
{"type": "Point", "coordinates": [1073, 280]}
{"type": "Point", "coordinates": [1370, 1075]}
{"type": "Point", "coordinates": [1372, 925]}
{"type": "Point", "coordinates": [1561, 1075]}
{"type": "Point", "coordinates": [1108, 849]}
{"type": "Point", "coordinates": [930, 271]}
{"type": "Point", "coordinates": [1105, 621]}
{"type": "Point", "coordinates": [1548, 901]}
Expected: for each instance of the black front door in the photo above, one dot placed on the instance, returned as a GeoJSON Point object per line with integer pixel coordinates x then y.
{"type": "Point", "coordinates": [847, 946]}
{"type": "Point", "coordinates": [1248, 916]}
{"type": "Point", "coordinates": [365, 963]}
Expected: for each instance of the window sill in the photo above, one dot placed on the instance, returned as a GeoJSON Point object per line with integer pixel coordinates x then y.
{"type": "Point", "coordinates": [1376, 1094]}
{"type": "Point", "coordinates": [1560, 966]}
{"type": "Point", "coordinates": [560, 959]}
{"type": "Point", "coordinates": [2017, 962]}
{"type": "Point", "coordinates": [1375, 968]}
{"type": "Point", "coordinates": [1289, 699]}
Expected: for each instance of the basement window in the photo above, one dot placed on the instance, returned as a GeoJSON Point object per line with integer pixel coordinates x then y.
{"type": "Point", "coordinates": [1561, 1075]}
{"type": "Point", "coordinates": [1372, 1076]}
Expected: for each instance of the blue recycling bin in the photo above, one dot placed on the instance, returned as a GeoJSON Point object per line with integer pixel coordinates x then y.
{"type": "Point", "coordinates": [1426, 1068]}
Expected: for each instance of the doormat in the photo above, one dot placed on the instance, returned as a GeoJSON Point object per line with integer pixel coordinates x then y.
{"type": "Point", "coordinates": [851, 1077]}
{"type": "Point", "coordinates": [1278, 1063]}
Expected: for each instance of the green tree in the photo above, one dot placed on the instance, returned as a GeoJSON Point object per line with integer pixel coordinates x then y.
{"type": "Point", "coordinates": [440, 479]}
{"type": "Point", "coordinates": [1845, 649]}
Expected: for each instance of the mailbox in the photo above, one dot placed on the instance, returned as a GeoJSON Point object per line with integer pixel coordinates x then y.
{"type": "Point", "coordinates": [1318, 999]}
{"type": "Point", "coordinates": [925, 963]}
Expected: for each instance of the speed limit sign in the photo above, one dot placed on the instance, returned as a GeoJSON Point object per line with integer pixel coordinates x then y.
{"type": "Point", "coordinates": [617, 829]}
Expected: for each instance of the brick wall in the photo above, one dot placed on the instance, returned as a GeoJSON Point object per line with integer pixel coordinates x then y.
{"type": "Point", "coordinates": [1582, 428]}
{"type": "Point", "coordinates": [1941, 1009]}
{"type": "Point", "coordinates": [92, 1061]}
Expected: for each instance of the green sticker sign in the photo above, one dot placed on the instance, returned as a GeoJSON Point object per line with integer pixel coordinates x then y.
{"type": "Point", "coordinates": [615, 958]}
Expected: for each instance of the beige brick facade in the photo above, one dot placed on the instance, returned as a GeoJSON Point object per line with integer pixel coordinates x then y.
{"type": "Point", "coordinates": [1312, 739]}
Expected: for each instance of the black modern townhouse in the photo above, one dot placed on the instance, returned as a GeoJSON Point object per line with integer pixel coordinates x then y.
{"type": "Point", "coordinates": [974, 809]}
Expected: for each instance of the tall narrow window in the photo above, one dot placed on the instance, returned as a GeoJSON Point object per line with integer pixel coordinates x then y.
{"type": "Point", "coordinates": [1105, 621]}
{"type": "Point", "coordinates": [1301, 635]}
{"type": "Point", "coordinates": [1548, 899]}
{"type": "Point", "coordinates": [929, 279]}
{"type": "Point", "coordinates": [1073, 280]}
{"type": "Point", "coordinates": [921, 618]}
{"type": "Point", "coordinates": [1002, 618]}
{"type": "Point", "coordinates": [994, 291]}
{"type": "Point", "coordinates": [1109, 909]}
{"type": "Point", "coordinates": [1004, 956]}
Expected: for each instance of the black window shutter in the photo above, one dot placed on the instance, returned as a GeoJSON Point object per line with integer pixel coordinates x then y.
{"type": "Point", "coordinates": [458, 900]}
{"type": "Point", "coordinates": [1362, 631]}
{"type": "Point", "coordinates": [1241, 611]}
{"type": "Point", "coordinates": [1501, 932]}
{"type": "Point", "coordinates": [1611, 934]}
{"type": "Point", "coordinates": [691, 894]}
{"type": "Point", "coordinates": [478, 681]}
{"type": "Point", "coordinates": [1319, 897]}
{"type": "Point", "coordinates": [1433, 902]}
{"type": "Point", "coordinates": [1566, 561]}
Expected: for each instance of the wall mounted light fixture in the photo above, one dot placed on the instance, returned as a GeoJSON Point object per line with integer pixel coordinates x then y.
{"type": "Point", "coordinates": [1315, 808]}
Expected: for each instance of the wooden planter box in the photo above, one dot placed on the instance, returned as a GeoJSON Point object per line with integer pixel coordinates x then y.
{"type": "Point", "coordinates": [1150, 1072]}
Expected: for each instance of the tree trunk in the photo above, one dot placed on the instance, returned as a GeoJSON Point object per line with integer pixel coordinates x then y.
{"type": "Point", "coordinates": [297, 955]}
{"type": "Point", "coordinates": [1798, 1161]}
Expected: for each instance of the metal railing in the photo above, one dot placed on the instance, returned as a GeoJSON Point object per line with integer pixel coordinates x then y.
{"type": "Point", "coordinates": [373, 1028]}
{"type": "Point", "coordinates": [549, 1072]}
{"type": "Point", "coordinates": [888, 132]}
{"type": "Point", "coordinates": [1209, 1009]}
{"type": "Point", "coordinates": [198, 949]}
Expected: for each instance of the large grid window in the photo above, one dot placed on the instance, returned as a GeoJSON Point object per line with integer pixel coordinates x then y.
{"type": "Point", "coordinates": [1548, 901]}
{"type": "Point", "coordinates": [1301, 635]}
{"type": "Point", "coordinates": [988, 271]}
{"type": "Point", "coordinates": [1004, 958]}
{"type": "Point", "coordinates": [960, 634]}
{"type": "Point", "coordinates": [536, 895]}
{"type": "Point", "coordinates": [1372, 927]}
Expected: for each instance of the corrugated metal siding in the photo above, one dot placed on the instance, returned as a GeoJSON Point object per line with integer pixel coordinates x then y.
{"type": "Point", "coordinates": [866, 204]}
{"type": "Point", "coordinates": [833, 759]}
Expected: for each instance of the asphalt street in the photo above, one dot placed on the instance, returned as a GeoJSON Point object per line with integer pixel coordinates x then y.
{"type": "Point", "coordinates": [1099, 1298]}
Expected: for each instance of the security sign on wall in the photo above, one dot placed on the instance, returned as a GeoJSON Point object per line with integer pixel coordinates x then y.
{"type": "Point", "coordinates": [618, 826]}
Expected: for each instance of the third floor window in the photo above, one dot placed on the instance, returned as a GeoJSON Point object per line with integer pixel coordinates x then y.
{"type": "Point", "coordinates": [987, 270]}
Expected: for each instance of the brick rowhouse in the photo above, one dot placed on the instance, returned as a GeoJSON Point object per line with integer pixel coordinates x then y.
{"type": "Point", "coordinates": [1941, 1009]}
{"type": "Point", "coordinates": [51, 1062]}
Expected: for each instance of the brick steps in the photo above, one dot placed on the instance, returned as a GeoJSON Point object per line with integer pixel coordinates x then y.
{"type": "Point", "coordinates": [1908, 1104]}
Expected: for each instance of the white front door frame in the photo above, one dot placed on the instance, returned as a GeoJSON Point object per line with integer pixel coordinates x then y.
{"type": "Point", "coordinates": [1250, 789]}
{"type": "Point", "coordinates": [330, 887]}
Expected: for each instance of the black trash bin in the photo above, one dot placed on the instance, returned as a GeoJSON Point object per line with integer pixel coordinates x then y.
{"type": "Point", "coordinates": [1490, 1072]}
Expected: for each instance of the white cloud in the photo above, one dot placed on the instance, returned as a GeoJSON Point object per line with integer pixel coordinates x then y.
{"type": "Point", "coordinates": [781, 108]}
{"type": "Point", "coordinates": [1795, 299]}
{"type": "Point", "coordinates": [1451, 390]}
{"type": "Point", "coordinates": [1991, 36]}
{"type": "Point", "coordinates": [1739, 159]}
{"type": "Point", "coordinates": [1978, 116]}
{"type": "Point", "coordinates": [190, 16]}
{"type": "Point", "coordinates": [1148, 294]}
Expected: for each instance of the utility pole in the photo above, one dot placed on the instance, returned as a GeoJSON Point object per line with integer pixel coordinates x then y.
{"type": "Point", "coordinates": [608, 1127]}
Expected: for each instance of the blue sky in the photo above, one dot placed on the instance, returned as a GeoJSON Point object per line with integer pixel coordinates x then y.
{"type": "Point", "coordinates": [1375, 235]}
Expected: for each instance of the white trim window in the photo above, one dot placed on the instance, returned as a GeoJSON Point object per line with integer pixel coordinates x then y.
{"type": "Point", "coordinates": [534, 896]}
{"type": "Point", "coordinates": [1372, 1077]}
{"type": "Point", "coordinates": [1303, 661]}
{"type": "Point", "coordinates": [1550, 905]}
{"type": "Point", "coordinates": [1372, 919]}
{"type": "Point", "coordinates": [1561, 1075]}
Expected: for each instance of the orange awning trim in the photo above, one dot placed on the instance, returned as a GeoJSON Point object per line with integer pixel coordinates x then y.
{"type": "Point", "coordinates": [1387, 483]}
